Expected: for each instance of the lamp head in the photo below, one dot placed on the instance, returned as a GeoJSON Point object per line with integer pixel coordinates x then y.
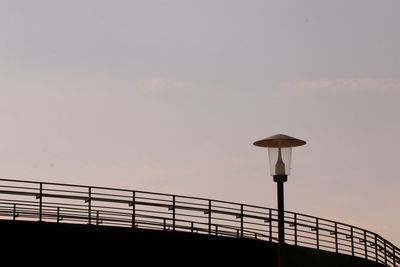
{"type": "Point", "coordinates": [280, 152]}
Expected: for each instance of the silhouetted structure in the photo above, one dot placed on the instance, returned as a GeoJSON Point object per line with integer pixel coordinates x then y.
{"type": "Point", "coordinates": [115, 224]}
{"type": "Point", "coordinates": [280, 152]}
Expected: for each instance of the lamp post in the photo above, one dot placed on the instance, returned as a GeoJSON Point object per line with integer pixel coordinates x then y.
{"type": "Point", "coordinates": [280, 152]}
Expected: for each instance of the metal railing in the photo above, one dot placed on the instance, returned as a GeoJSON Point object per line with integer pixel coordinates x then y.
{"type": "Point", "coordinates": [66, 203]}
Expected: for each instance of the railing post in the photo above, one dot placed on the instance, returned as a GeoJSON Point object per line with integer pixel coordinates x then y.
{"type": "Point", "coordinates": [376, 248]}
{"type": "Point", "coordinates": [209, 217]}
{"type": "Point", "coordinates": [191, 227]}
{"type": "Point", "coordinates": [58, 214]}
{"type": "Point", "coordinates": [317, 231]}
{"type": "Point", "coordinates": [295, 229]}
{"type": "Point", "coordinates": [241, 220]}
{"type": "Point", "coordinates": [352, 240]}
{"type": "Point", "coordinates": [270, 225]}
{"type": "Point", "coordinates": [14, 211]}
{"type": "Point", "coordinates": [165, 224]}
{"type": "Point", "coordinates": [173, 213]}
{"type": "Point", "coordinates": [133, 209]}
{"type": "Point", "coordinates": [365, 245]}
{"type": "Point", "coordinates": [97, 217]}
{"type": "Point", "coordinates": [90, 205]}
{"type": "Point", "coordinates": [394, 256]}
{"type": "Point", "coordinates": [384, 247]}
{"type": "Point", "coordinates": [40, 201]}
{"type": "Point", "coordinates": [216, 229]}
{"type": "Point", "coordinates": [336, 239]}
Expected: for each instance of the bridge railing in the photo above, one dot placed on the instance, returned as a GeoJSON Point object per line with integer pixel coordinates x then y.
{"type": "Point", "coordinates": [66, 203]}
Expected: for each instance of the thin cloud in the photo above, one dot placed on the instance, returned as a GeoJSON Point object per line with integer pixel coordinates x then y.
{"type": "Point", "coordinates": [157, 85]}
{"type": "Point", "coordinates": [350, 86]}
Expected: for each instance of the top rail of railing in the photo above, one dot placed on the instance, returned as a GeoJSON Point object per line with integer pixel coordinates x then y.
{"type": "Point", "coordinates": [69, 203]}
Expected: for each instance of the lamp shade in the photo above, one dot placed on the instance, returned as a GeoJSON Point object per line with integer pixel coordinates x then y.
{"type": "Point", "coordinates": [279, 152]}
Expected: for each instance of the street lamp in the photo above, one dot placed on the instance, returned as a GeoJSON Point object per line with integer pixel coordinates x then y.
{"type": "Point", "coordinates": [280, 152]}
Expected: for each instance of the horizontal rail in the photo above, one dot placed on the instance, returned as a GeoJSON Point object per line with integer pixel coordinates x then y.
{"type": "Point", "coordinates": [79, 204]}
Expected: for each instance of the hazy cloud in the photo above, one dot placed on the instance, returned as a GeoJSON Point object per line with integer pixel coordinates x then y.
{"type": "Point", "coordinates": [351, 85]}
{"type": "Point", "coordinates": [156, 85]}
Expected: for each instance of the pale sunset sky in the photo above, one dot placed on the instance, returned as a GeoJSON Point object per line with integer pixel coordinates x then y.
{"type": "Point", "coordinates": [168, 96]}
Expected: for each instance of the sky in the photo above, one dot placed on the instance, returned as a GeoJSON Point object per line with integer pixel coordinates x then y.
{"type": "Point", "coordinates": [168, 96]}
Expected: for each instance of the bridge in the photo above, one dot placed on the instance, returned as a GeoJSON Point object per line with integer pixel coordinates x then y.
{"type": "Point", "coordinates": [52, 204]}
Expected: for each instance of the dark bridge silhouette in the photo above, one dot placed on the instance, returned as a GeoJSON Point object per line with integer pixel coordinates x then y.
{"type": "Point", "coordinates": [28, 208]}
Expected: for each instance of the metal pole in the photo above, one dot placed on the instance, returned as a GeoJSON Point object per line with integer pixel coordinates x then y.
{"type": "Point", "coordinates": [281, 226]}
{"type": "Point", "coordinates": [280, 179]}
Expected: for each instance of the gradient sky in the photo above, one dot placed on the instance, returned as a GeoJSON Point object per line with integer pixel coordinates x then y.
{"type": "Point", "coordinates": [168, 96]}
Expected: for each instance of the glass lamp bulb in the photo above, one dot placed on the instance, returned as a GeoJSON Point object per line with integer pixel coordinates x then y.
{"type": "Point", "coordinates": [280, 165]}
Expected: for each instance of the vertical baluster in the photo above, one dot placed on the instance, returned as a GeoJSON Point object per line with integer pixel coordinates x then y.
{"type": "Point", "coordinates": [352, 240]}
{"type": "Point", "coordinates": [40, 201]}
{"type": "Point", "coordinates": [241, 220]}
{"type": "Point", "coordinates": [270, 225]}
{"type": "Point", "coordinates": [384, 248]}
{"type": "Point", "coordinates": [173, 213]}
{"type": "Point", "coordinates": [14, 212]}
{"type": "Point", "coordinates": [89, 205]}
{"type": "Point", "coordinates": [97, 217]}
{"type": "Point", "coordinates": [317, 231]}
{"type": "Point", "coordinates": [295, 229]}
{"type": "Point", "coordinates": [133, 209]}
{"type": "Point", "coordinates": [58, 214]}
{"type": "Point", "coordinates": [209, 217]}
{"type": "Point", "coordinates": [376, 248]}
{"type": "Point", "coordinates": [365, 245]}
{"type": "Point", "coordinates": [336, 239]}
